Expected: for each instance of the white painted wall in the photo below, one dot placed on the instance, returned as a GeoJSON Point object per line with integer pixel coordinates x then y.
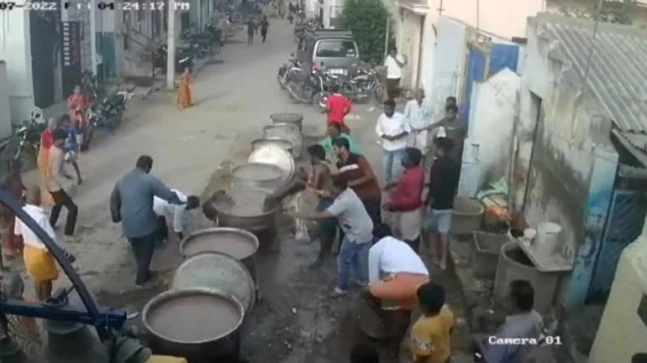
{"type": "Point", "coordinates": [15, 50]}
{"type": "Point", "coordinates": [444, 77]}
{"type": "Point", "coordinates": [5, 115]}
{"type": "Point", "coordinates": [492, 108]}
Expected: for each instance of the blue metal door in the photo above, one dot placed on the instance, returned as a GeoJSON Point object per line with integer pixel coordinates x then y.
{"type": "Point", "coordinates": [624, 224]}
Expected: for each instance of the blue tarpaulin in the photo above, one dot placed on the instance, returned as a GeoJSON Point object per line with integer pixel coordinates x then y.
{"type": "Point", "coordinates": [501, 56]}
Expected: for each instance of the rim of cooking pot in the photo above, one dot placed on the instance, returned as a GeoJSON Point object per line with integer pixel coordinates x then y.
{"type": "Point", "coordinates": [282, 125]}
{"type": "Point", "coordinates": [262, 165]}
{"type": "Point", "coordinates": [273, 139]}
{"type": "Point", "coordinates": [274, 209]}
{"type": "Point", "coordinates": [171, 294]}
{"type": "Point", "coordinates": [214, 230]}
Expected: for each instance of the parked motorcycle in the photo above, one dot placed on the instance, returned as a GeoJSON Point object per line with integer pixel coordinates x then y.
{"type": "Point", "coordinates": [89, 85]}
{"type": "Point", "coordinates": [184, 57]}
{"type": "Point", "coordinates": [304, 87]}
{"type": "Point", "coordinates": [326, 83]}
{"type": "Point", "coordinates": [26, 137]}
{"type": "Point", "coordinates": [364, 85]}
{"type": "Point", "coordinates": [288, 70]}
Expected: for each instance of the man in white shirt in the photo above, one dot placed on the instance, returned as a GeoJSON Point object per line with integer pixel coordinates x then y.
{"type": "Point", "coordinates": [395, 273]}
{"type": "Point", "coordinates": [180, 218]}
{"type": "Point", "coordinates": [419, 119]}
{"type": "Point", "coordinates": [358, 228]}
{"type": "Point", "coordinates": [39, 262]}
{"type": "Point", "coordinates": [392, 129]}
{"type": "Point", "coordinates": [394, 63]}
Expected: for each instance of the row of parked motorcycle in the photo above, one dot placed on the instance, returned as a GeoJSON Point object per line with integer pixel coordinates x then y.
{"type": "Point", "coordinates": [315, 85]}
{"type": "Point", "coordinates": [104, 113]}
{"type": "Point", "coordinates": [198, 45]}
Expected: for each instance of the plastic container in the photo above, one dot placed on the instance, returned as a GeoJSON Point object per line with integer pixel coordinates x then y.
{"type": "Point", "coordinates": [467, 216]}
{"type": "Point", "coordinates": [547, 238]}
{"type": "Point", "coordinates": [514, 264]}
{"type": "Point", "coordinates": [485, 253]}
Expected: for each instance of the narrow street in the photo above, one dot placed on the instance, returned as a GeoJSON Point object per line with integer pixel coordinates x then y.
{"type": "Point", "coordinates": [296, 320]}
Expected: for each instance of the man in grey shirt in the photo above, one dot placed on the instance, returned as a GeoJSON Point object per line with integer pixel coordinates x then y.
{"type": "Point", "coordinates": [519, 333]}
{"type": "Point", "coordinates": [131, 203]}
{"type": "Point", "coordinates": [358, 227]}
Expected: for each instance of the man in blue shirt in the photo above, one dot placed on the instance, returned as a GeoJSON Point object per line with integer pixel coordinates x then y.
{"type": "Point", "coordinates": [131, 203]}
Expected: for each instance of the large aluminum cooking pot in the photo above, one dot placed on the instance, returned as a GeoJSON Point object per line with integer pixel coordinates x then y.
{"type": "Point", "coordinates": [288, 118]}
{"type": "Point", "coordinates": [218, 209]}
{"type": "Point", "coordinates": [271, 154]}
{"type": "Point", "coordinates": [286, 131]}
{"type": "Point", "coordinates": [235, 242]}
{"type": "Point", "coordinates": [284, 144]}
{"type": "Point", "coordinates": [257, 175]}
{"type": "Point", "coordinates": [198, 324]}
{"type": "Point", "coordinates": [217, 270]}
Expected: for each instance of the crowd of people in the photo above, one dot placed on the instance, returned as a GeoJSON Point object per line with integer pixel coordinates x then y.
{"type": "Point", "coordinates": [380, 229]}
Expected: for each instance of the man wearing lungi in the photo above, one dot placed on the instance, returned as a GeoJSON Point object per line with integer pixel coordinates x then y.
{"type": "Point", "coordinates": [405, 200]}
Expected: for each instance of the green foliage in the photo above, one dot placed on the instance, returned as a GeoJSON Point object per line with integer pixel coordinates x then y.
{"type": "Point", "coordinates": [367, 20]}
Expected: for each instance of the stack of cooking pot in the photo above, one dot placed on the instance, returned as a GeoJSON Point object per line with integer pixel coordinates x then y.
{"type": "Point", "coordinates": [270, 166]}
{"type": "Point", "coordinates": [218, 275]}
{"type": "Point", "coordinates": [212, 292]}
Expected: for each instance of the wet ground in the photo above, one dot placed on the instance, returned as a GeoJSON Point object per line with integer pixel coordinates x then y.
{"type": "Point", "coordinates": [296, 319]}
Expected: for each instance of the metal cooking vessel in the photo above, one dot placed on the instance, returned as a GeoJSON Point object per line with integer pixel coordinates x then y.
{"type": "Point", "coordinates": [220, 271]}
{"type": "Point", "coordinates": [249, 261]}
{"type": "Point", "coordinates": [288, 118]}
{"type": "Point", "coordinates": [217, 346]}
{"type": "Point", "coordinates": [286, 131]}
{"type": "Point", "coordinates": [259, 222]}
{"type": "Point", "coordinates": [271, 154]}
{"type": "Point", "coordinates": [284, 144]}
{"type": "Point", "coordinates": [257, 175]}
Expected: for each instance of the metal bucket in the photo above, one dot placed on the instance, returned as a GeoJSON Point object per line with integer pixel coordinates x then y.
{"type": "Point", "coordinates": [215, 270]}
{"type": "Point", "coordinates": [257, 175]}
{"type": "Point", "coordinates": [288, 132]}
{"type": "Point", "coordinates": [284, 144]}
{"type": "Point", "coordinates": [288, 118]}
{"type": "Point", "coordinates": [234, 242]}
{"type": "Point", "coordinates": [173, 319]}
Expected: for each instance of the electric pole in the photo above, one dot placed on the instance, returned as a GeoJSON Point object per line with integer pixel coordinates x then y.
{"type": "Point", "coordinates": [170, 47]}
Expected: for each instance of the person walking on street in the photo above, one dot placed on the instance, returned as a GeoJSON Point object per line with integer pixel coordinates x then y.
{"type": "Point", "coordinates": [179, 212]}
{"type": "Point", "coordinates": [358, 227]}
{"type": "Point", "coordinates": [455, 129]}
{"type": "Point", "coordinates": [419, 119]}
{"type": "Point", "coordinates": [392, 129]}
{"type": "Point", "coordinates": [131, 203]}
{"type": "Point", "coordinates": [39, 262]}
{"type": "Point", "coordinates": [58, 176]}
{"type": "Point", "coordinates": [264, 26]}
{"type": "Point", "coordinates": [337, 107]}
{"type": "Point", "coordinates": [405, 199]}
{"type": "Point", "coordinates": [443, 183]}
{"type": "Point", "coordinates": [431, 333]}
{"type": "Point", "coordinates": [184, 95]}
{"type": "Point", "coordinates": [251, 29]}
{"type": "Point", "coordinates": [394, 63]}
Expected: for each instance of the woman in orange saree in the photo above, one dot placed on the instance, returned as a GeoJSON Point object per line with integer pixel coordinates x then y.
{"type": "Point", "coordinates": [46, 142]}
{"type": "Point", "coordinates": [184, 98]}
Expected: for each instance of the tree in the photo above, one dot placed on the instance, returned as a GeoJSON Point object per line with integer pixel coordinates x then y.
{"type": "Point", "coordinates": [367, 20]}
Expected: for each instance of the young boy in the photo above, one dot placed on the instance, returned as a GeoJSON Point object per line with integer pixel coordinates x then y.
{"type": "Point", "coordinates": [431, 334]}
{"type": "Point", "coordinates": [72, 148]}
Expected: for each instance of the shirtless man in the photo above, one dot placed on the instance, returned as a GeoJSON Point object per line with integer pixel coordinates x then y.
{"type": "Point", "coordinates": [319, 180]}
